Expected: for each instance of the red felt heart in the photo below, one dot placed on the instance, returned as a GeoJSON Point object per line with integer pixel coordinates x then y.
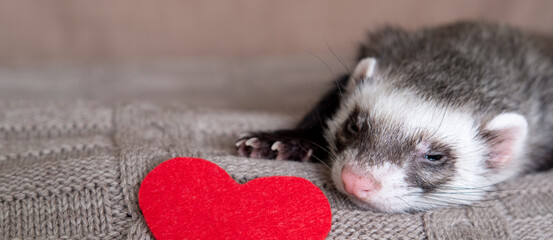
{"type": "Point", "coordinates": [191, 198]}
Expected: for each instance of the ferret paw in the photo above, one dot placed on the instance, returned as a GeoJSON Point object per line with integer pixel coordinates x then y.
{"type": "Point", "coordinates": [274, 146]}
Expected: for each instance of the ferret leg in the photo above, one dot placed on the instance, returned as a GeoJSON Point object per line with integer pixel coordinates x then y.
{"type": "Point", "coordinates": [303, 143]}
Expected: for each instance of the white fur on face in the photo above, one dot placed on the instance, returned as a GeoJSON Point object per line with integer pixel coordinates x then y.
{"type": "Point", "coordinates": [454, 127]}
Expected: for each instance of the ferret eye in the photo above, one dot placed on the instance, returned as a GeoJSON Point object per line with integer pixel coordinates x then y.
{"type": "Point", "coordinates": [352, 127]}
{"type": "Point", "coordinates": [434, 157]}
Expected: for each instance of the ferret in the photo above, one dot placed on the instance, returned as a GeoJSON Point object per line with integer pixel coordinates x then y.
{"type": "Point", "coordinates": [428, 118]}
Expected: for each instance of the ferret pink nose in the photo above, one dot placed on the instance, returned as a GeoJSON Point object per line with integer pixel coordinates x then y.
{"type": "Point", "coordinates": [358, 185]}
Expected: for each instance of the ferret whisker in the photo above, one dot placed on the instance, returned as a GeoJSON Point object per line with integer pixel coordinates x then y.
{"type": "Point", "coordinates": [484, 187]}
{"type": "Point", "coordinates": [439, 125]}
{"type": "Point", "coordinates": [318, 145]}
{"type": "Point", "coordinates": [320, 59]}
{"type": "Point", "coordinates": [447, 193]}
{"type": "Point", "coordinates": [317, 158]}
{"type": "Point", "coordinates": [452, 198]}
{"type": "Point", "coordinates": [453, 201]}
{"type": "Point", "coordinates": [322, 162]}
{"type": "Point", "coordinates": [338, 58]}
{"type": "Point", "coordinates": [459, 193]}
{"type": "Point", "coordinates": [343, 197]}
{"type": "Point", "coordinates": [481, 188]}
{"type": "Point", "coordinates": [347, 69]}
{"type": "Point", "coordinates": [452, 204]}
{"type": "Point", "coordinates": [442, 198]}
{"type": "Point", "coordinates": [319, 118]}
{"type": "Point", "coordinates": [447, 203]}
{"type": "Point", "coordinates": [403, 200]}
{"type": "Point", "coordinates": [339, 88]}
{"type": "Point", "coordinates": [457, 189]}
{"type": "Point", "coordinates": [432, 203]}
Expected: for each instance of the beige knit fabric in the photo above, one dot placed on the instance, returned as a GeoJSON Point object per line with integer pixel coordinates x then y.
{"type": "Point", "coordinates": [73, 170]}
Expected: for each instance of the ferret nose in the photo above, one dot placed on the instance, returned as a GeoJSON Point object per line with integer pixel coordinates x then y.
{"type": "Point", "coordinates": [359, 185]}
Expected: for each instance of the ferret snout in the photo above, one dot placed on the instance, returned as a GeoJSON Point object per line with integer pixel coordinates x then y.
{"type": "Point", "coordinates": [359, 185]}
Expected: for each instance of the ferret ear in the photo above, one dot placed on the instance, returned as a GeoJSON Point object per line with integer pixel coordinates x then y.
{"type": "Point", "coordinates": [506, 135]}
{"type": "Point", "coordinates": [365, 69]}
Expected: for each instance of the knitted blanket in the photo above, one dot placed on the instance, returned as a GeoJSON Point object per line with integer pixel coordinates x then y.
{"type": "Point", "coordinates": [73, 170]}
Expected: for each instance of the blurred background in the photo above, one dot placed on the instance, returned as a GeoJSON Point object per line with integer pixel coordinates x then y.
{"type": "Point", "coordinates": [241, 54]}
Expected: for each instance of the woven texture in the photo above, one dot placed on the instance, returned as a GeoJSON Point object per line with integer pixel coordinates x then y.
{"type": "Point", "coordinates": [73, 170]}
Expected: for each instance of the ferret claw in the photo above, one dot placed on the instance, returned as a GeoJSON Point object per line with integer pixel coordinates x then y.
{"type": "Point", "coordinates": [263, 145]}
{"type": "Point", "coordinates": [240, 142]}
{"type": "Point", "coordinates": [277, 146]}
{"type": "Point", "coordinates": [252, 142]}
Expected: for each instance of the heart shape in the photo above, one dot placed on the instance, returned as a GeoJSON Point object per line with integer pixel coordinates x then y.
{"type": "Point", "coordinates": [192, 198]}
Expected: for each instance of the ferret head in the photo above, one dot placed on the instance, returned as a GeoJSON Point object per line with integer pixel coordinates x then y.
{"type": "Point", "coordinates": [394, 152]}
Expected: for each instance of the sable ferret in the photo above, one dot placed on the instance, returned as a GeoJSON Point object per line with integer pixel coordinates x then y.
{"type": "Point", "coordinates": [429, 118]}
